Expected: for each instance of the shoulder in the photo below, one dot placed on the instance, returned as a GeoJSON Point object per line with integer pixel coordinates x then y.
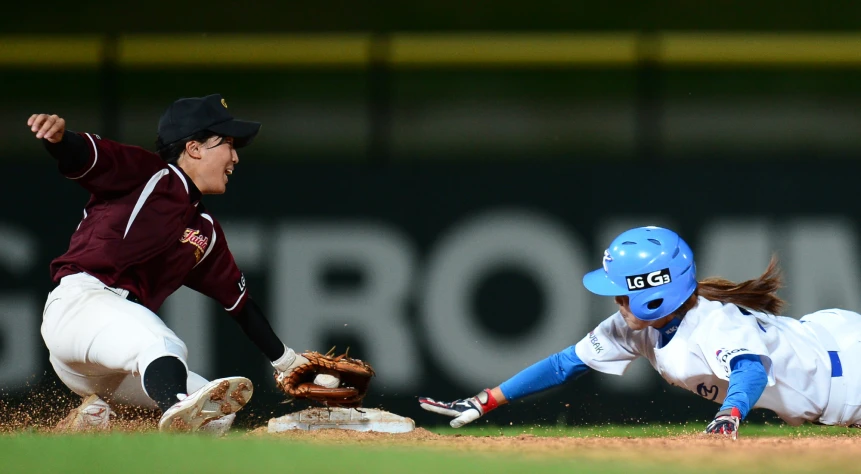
{"type": "Point", "coordinates": [713, 319]}
{"type": "Point", "coordinates": [708, 311]}
{"type": "Point", "coordinates": [106, 145]}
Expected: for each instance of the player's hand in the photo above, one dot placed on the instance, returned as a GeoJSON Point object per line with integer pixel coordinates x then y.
{"type": "Point", "coordinates": [49, 127]}
{"type": "Point", "coordinates": [725, 423]}
{"type": "Point", "coordinates": [289, 361]}
{"type": "Point", "coordinates": [465, 410]}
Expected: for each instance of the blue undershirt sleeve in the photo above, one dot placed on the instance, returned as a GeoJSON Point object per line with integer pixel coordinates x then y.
{"type": "Point", "coordinates": [747, 381]}
{"type": "Point", "coordinates": [550, 372]}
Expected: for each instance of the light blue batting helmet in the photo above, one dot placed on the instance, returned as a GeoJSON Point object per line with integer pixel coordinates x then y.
{"type": "Point", "coordinates": [653, 266]}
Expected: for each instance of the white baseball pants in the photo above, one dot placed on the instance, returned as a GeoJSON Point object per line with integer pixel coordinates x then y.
{"type": "Point", "coordinates": [101, 343]}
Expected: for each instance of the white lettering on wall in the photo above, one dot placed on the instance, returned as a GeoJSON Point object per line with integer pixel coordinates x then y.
{"type": "Point", "coordinates": [821, 266]}
{"type": "Point", "coordinates": [20, 316]}
{"type": "Point", "coordinates": [305, 310]}
{"type": "Point", "coordinates": [469, 353]}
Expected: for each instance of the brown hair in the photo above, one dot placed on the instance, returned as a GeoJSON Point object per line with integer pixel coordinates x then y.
{"type": "Point", "coordinates": [759, 294]}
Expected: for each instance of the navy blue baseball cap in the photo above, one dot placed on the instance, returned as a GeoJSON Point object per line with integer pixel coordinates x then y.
{"type": "Point", "coordinates": [187, 116]}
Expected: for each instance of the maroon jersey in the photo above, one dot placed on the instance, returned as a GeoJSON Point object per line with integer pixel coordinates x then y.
{"type": "Point", "coordinates": [146, 231]}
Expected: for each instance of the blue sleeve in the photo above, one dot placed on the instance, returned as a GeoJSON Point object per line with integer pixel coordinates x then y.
{"type": "Point", "coordinates": [550, 372]}
{"type": "Point", "coordinates": [747, 381]}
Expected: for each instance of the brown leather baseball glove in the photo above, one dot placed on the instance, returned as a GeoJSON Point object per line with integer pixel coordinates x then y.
{"type": "Point", "coordinates": [355, 378]}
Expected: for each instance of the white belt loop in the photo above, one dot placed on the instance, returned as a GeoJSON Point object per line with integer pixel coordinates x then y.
{"type": "Point", "coordinates": [833, 413]}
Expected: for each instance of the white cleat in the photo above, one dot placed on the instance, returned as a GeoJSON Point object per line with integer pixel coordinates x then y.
{"type": "Point", "coordinates": [94, 414]}
{"type": "Point", "coordinates": [219, 427]}
{"type": "Point", "coordinates": [210, 403]}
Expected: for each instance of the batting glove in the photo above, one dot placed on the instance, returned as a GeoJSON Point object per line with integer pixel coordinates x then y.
{"type": "Point", "coordinates": [725, 423]}
{"type": "Point", "coordinates": [465, 411]}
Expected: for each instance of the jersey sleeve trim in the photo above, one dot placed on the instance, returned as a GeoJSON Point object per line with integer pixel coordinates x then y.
{"type": "Point", "coordinates": [184, 182]}
{"type": "Point", "coordinates": [241, 295]}
{"type": "Point", "coordinates": [211, 244]}
{"type": "Point", "coordinates": [147, 190]}
{"type": "Point", "coordinates": [95, 158]}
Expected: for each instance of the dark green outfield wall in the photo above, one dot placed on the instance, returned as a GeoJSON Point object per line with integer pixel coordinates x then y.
{"type": "Point", "coordinates": [396, 15]}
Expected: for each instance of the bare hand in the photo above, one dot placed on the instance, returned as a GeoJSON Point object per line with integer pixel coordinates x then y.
{"type": "Point", "coordinates": [49, 127]}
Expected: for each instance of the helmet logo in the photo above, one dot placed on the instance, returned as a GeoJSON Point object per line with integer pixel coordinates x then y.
{"type": "Point", "coordinates": [224, 103]}
{"type": "Point", "coordinates": [607, 259]}
{"type": "Point", "coordinates": [648, 280]}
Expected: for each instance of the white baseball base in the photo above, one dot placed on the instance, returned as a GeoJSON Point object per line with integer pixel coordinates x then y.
{"type": "Point", "coordinates": [368, 419]}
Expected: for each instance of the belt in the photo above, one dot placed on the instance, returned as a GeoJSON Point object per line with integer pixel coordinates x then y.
{"type": "Point", "coordinates": [125, 294]}
{"type": "Point", "coordinates": [134, 299]}
{"type": "Point", "coordinates": [833, 412]}
{"type": "Point", "coordinates": [128, 295]}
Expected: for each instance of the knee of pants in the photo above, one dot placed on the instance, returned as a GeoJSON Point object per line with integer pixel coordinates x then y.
{"type": "Point", "coordinates": [166, 347]}
{"type": "Point", "coordinates": [84, 385]}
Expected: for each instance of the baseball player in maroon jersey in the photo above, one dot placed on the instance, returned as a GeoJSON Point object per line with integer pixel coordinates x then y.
{"type": "Point", "coordinates": [145, 232]}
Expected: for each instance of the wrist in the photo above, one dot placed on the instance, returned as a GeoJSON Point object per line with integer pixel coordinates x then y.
{"type": "Point", "coordinates": [283, 363]}
{"type": "Point", "coordinates": [486, 401]}
{"type": "Point", "coordinates": [730, 411]}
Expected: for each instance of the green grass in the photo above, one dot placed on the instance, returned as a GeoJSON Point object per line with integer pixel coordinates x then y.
{"type": "Point", "coordinates": [153, 453]}
{"type": "Point", "coordinates": [647, 430]}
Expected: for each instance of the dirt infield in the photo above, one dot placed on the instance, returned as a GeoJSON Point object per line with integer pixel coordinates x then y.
{"type": "Point", "coordinates": [825, 452]}
{"type": "Point", "coordinates": [785, 453]}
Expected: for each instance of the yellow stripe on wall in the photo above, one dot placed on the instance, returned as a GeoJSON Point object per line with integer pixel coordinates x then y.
{"type": "Point", "coordinates": [512, 49]}
{"type": "Point", "coordinates": [406, 50]}
{"type": "Point", "coordinates": [244, 50]}
{"type": "Point", "coordinates": [765, 49]}
{"type": "Point", "coordinates": [42, 51]}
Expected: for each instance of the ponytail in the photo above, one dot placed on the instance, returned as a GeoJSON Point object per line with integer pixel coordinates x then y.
{"type": "Point", "coordinates": [759, 294]}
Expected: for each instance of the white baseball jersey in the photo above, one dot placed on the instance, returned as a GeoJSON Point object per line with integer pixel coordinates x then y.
{"type": "Point", "coordinates": [798, 363]}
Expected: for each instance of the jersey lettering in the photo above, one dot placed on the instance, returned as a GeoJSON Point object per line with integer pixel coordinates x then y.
{"type": "Point", "coordinates": [200, 242]}
{"type": "Point", "coordinates": [596, 346]}
{"type": "Point", "coordinates": [710, 393]}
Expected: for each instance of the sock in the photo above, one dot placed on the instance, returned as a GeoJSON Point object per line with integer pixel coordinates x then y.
{"type": "Point", "coordinates": [164, 378]}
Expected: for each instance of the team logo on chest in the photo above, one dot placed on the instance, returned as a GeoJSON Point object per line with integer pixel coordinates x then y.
{"type": "Point", "coordinates": [200, 242]}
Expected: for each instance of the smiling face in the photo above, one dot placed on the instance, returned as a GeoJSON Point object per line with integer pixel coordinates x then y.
{"type": "Point", "coordinates": [209, 163]}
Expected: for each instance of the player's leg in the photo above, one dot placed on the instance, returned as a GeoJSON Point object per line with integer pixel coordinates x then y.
{"type": "Point", "coordinates": [129, 392]}
{"type": "Point", "coordinates": [852, 377]}
{"type": "Point", "coordinates": [93, 414]}
{"type": "Point", "coordinates": [844, 330]}
{"type": "Point", "coordinates": [96, 334]}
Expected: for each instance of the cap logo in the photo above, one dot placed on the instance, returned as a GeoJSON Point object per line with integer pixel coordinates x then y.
{"type": "Point", "coordinates": [224, 103]}
{"type": "Point", "coordinates": [607, 259]}
{"type": "Point", "coordinates": [648, 280]}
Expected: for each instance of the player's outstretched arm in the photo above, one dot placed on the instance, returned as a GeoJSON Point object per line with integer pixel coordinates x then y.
{"type": "Point", "coordinates": [48, 126]}
{"type": "Point", "coordinates": [550, 372]}
{"type": "Point", "coordinates": [747, 381]}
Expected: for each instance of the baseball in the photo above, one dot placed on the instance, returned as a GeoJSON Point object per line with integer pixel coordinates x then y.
{"type": "Point", "coordinates": [326, 380]}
